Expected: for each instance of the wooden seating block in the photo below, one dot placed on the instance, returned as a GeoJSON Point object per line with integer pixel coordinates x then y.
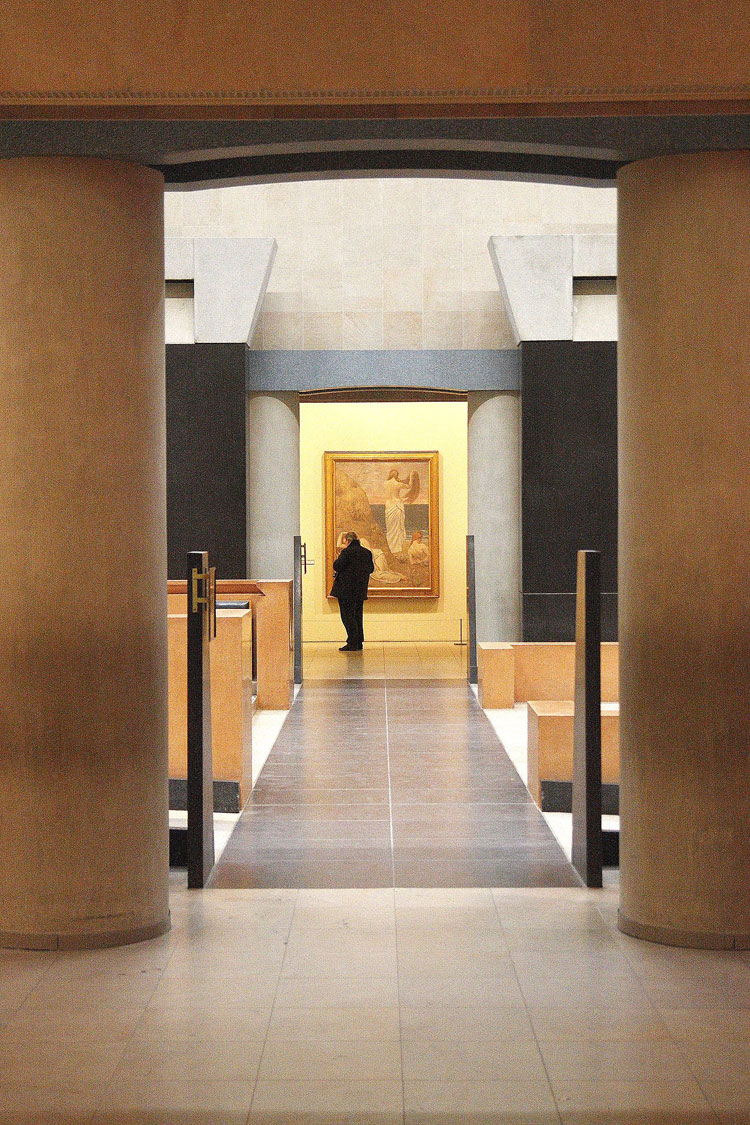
{"type": "Point", "coordinates": [231, 697]}
{"type": "Point", "coordinates": [546, 670]}
{"type": "Point", "coordinates": [495, 675]}
{"type": "Point", "coordinates": [550, 743]}
{"type": "Point", "coordinates": [274, 647]}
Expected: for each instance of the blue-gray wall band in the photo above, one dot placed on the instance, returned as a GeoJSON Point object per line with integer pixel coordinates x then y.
{"type": "Point", "coordinates": [440, 370]}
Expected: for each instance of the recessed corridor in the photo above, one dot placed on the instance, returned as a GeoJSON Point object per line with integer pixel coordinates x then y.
{"type": "Point", "coordinates": [381, 781]}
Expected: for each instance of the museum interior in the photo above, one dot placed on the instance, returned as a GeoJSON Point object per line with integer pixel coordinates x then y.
{"type": "Point", "coordinates": [470, 282]}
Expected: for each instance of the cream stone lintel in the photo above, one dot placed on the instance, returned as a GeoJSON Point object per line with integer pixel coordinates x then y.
{"type": "Point", "coordinates": [535, 274]}
{"type": "Point", "coordinates": [230, 278]}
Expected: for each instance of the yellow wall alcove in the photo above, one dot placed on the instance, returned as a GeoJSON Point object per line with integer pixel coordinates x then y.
{"type": "Point", "coordinates": [376, 427]}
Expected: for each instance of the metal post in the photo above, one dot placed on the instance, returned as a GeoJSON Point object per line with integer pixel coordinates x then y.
{"type": "Point", "coordinates": [201, 627]}
{"type": "Point", "coordinates": [471, 603]}
{"type": "Point", "coordinates": [587, 723]}
{"type": "Point", "coordinates": [297, 610]}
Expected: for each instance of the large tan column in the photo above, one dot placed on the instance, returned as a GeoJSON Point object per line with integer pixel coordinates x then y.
{"type": "Point", "coordinates": [684, 389]}
{"type": "Point", "coordinates": [83, 628]}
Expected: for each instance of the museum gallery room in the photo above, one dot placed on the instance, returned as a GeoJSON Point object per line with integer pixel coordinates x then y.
{"type": "Point", "coordinates": [375, 616]}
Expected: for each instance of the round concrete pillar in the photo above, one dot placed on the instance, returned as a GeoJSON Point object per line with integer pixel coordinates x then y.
{"type": "Point", "coordinates": [495, 511]}
{"type": "Point", "coordinates": [683, 282]}
{"type": "Point", "coordinates": [83, 718]}
{"type": "Point", "coordinates": [272, 484]}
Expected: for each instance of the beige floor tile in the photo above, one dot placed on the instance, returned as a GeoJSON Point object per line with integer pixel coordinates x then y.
{"type": "Point", "coordinates": [178, 1102]}
{"type": "Point", "coordinates": [337, 992]}
{"type": "Point", "coordinates": [612, 1060]}
{"type": "Point", "coordinates": [79, 1028]}
{"type": "Point", "coordinates": [632, 1103]}
{"type": "Point", "coordinates": [125, 959]}
{"type": "Point", "coordinates": [696, 1025]}
{"type": "Point", "coordinates": [321, 1103]}
{"type": "Point", "coordinates": [47, 1105]}
{"type": "Point", "coordinates": [339, 961]}
{"type": "Point", "coordinates": [485, 1060]}
{"type": "Point", "coordinates": [230, 1058]}
{"type": "Point", "coordinates": [458, 906]}
{"type": "Point", "coordinates": [440, 1102]}
{"type": "Point", "coordinates": [105, 990]}
{"type": "Point", "coordinates": [427, 990]}
{"type": "Point", "coordinates": [367, 935]}
{"type": "Point", "coordinates": [204, 1020]}
{"type": "Point", "coordinates": [724, 1061]}
{"type": "Point", "coordinates": [586, 989]}
{"type": "Point", "coordinates": [612, 1023]}
{"type": "Point", "coordinates": [466, 1023]}
{"type": "Point", "coordinates": [17, 983]}
{"type": "Point", "coordinates": [446, 961]}
{"type": "Point", "coordinates": [255, 991]}
{"type": "Point", "coordinates": [58, 1064]}
{"type": "Point", "coordinates": [730, 1100]}
{"type": "Point", "coordinates": [335, 1023]}
{"type": "Point", "coordinates": [331, 1060]}
{"type": "Point", "coordinates": [706, 993]}
{"type": "Point", "coordinates": [347, 905]}
{"type": "Point", "coordinates": [459, 941]}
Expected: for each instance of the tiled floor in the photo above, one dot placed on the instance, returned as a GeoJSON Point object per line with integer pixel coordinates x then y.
{"type": "Point", "coordinates": [383, 1006]}
{"type": "Point", "coordinates": [391, 1006]}
{"type": "Point", "coordinates": [381, 782]}
{"type": "Point", "coordinates": [392, 660]}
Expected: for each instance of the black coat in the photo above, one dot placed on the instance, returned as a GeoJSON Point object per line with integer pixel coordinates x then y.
{"type": "Point", "coordinates": [353, 569]}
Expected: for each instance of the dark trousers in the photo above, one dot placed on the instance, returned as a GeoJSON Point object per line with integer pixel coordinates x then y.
{"type": "Point", "coordinates": [351, 615]}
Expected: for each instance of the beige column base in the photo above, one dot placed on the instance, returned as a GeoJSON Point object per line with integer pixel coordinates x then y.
{"type": "Point", "coordinates": [102, 939]}
{"type": "Point", "coordinates": [686, 939]}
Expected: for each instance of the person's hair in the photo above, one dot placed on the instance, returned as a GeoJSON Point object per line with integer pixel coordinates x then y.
{"type": "Point", "coordinates": [393, 473]}
{"type": "Point", "coordinates": [352, 537]}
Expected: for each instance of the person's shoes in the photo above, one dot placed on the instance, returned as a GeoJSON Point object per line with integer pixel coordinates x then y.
{"type": "Point", "coordinates": [346, 648]}
{"type": "Point", "coordinates": [356, 648]}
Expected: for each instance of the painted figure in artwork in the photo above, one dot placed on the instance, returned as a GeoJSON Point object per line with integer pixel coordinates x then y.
{"type": "Point", "coordinates": [419, 559]}
{"type": "Point", "coordinates": [397, 493]}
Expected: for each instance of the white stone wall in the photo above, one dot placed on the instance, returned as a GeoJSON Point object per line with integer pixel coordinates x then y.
{"type": "Point", "coordinates": [386, 263]}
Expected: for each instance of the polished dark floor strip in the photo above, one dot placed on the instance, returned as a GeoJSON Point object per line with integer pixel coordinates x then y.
{"type": "Point", "coordinates": [376, 783]}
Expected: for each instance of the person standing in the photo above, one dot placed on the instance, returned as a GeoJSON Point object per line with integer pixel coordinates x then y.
{"type": "Point", "coordinates": [353, 568]}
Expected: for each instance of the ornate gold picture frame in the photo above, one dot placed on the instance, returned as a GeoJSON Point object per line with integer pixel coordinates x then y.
{"type": "Point", "coordinates": [391, 500]}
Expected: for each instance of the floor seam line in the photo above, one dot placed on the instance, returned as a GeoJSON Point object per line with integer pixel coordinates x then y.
{"type": "Point", "coordinates": [273, 1007]}
{"type": "Point", "coordinates": [390, 790]}
{"type": "Point", "coordinates": [526, 1007]}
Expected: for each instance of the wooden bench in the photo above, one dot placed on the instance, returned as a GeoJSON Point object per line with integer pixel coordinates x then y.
{"type": "Point", "coordinates": [550, 754]}
{"type": "Point", "coordinates": [231, 708]}
{"type": "Point", "coordinates": [271, 605]}
{"type": "Point", "coordinates": [519, 671]}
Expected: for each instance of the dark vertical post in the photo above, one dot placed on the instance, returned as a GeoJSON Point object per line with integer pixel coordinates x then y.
{"type": "Point", "coordinates": [201, 602]}
{"type": "Point", "coordinates": [297, 610]}
{"type": "Point", "coordinates": [471, 603]}
{"type": "Point", "coordinates": [587, 723]}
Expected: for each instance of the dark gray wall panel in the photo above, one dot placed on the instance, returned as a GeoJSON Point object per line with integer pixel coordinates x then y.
{"type": "Point", "coordinates": [471, 370]}
{"type": "Point", "coordinates": [552, 617]}
{"type": "Point", "coordinates": [569, 479]}
{"type": "Point", "coordinates": [206, 456]}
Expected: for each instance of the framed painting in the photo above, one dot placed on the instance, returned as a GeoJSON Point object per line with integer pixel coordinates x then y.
{"type": "Point", "coordinates": [391, 501]}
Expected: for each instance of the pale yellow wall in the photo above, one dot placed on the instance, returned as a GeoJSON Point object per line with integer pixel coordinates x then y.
{"type": "Point", "coordinates": [386, 263]}
{"type": "Point", "coordinates": [385, 426]}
